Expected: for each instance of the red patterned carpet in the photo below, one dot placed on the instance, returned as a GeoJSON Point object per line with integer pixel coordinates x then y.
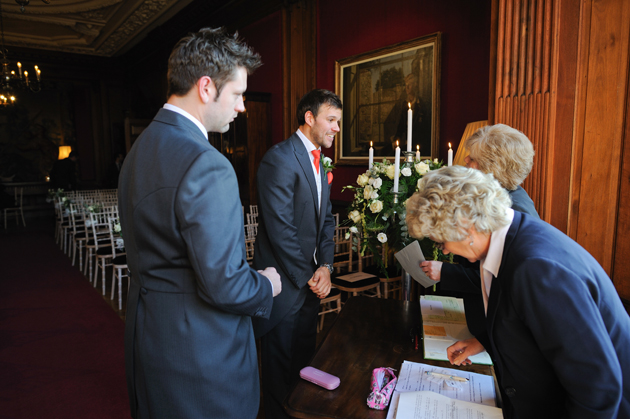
{"type": "Point", "coordinates": [61, 345]}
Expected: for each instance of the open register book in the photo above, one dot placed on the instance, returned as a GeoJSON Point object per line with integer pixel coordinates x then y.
{"type": "Point", "coordinates": [443, 324]}
{"type": "Point", "coordinates": [426, 392]}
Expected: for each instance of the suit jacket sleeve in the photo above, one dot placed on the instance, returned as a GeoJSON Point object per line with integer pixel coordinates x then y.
{"type": "Point", "coordinates": [462, 276]}
{"type": "Point", "coordinates": [562, 313]}
{"type": "Point", "coordinates": [210, 217]}
{"type": "Point", "coordinates": [276, 189]}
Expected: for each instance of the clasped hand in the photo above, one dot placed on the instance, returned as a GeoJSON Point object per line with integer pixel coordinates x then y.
{"type": "Point", "coordinates": [320, 282]}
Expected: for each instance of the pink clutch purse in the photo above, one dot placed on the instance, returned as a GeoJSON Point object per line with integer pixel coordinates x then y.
{"type": "Point", "coordinates": [383, 384]}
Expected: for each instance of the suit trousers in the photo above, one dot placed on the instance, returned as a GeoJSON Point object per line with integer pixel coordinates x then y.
{"type": "Point", "coordinates": [286, 349]}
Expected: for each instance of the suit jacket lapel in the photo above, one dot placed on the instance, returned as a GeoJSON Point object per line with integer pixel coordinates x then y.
{"type": "Point", "coordinates": [324, 205]}
{"type": "Point", "coordinates": [305, 162]}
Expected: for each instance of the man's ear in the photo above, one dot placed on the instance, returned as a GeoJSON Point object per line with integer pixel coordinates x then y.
{"type": "Point", "coordinates": [309, 118]}
{"type": "Point", "coordinates": [206, 89]}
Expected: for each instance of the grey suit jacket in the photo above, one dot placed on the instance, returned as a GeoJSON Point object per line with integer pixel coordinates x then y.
{"type": "Point", "coordinates": [189, 345]}
{"type": "Point", "coordinates": [290, 226]}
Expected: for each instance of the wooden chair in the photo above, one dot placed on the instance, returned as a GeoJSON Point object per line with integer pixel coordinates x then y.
{"type": "Point", "coordinates": [249, 250]}
{"type": "Point", "coordinates": [120, 269]}
{"type": "Point", "coordinates": [343, 249]}
{"type": "Point", "coordinates": [106, 253]}
{"type": "Point", "coordinates": [78, 233]}
{"type": "Point", "coordinates": [326, 306]}
{"type": "Point", "coordinates": [17, 209]}
{"type": "Point", "coordinates": [391, 283]}
{"type": "Point", "coordinates": [357, 281]}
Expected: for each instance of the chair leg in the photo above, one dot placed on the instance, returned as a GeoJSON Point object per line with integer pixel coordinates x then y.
{"type": "Point", "coordinates": [103, 281]}
{"type": "Point", "coordinates": [22, 213]}
{"type": "Point", "coordinates": [119, 289]}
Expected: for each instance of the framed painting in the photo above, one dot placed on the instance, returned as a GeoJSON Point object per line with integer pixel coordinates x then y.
{"type": "Point", "coordinates": [380, 89]}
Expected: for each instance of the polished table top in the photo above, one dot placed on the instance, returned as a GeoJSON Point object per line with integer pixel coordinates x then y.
{"type": "Point", "coordinates": [368, 333]}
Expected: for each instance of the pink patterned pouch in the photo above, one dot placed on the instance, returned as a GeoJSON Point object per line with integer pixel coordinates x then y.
{"type": "Point", "coordinates": [383, 384]}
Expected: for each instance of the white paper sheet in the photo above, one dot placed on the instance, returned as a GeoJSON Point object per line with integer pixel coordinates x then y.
{"type": "Point", "coordinates": [413, 377]}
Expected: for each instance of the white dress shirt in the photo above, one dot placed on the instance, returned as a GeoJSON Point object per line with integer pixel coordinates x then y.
{"type": "Point", "coordinates": [309, 148]}
{"type": "Point", "coordinates": [187, 115]}
{"type": "Point", "coordinates": [490, 265]}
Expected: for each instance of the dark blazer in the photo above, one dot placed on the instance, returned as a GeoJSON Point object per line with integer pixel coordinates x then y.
{"type": "Point", "coordinates": [559, 332]}
{"type": "Point", "coordinates": [289, 227]}
{"type": "Point", "coordinates": [462, 279]}
{"type": "Point", "coordinates": [189, 345]}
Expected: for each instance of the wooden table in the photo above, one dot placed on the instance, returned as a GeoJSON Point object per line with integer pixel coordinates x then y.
{"type": "Point", "coordinates": [367, 334]}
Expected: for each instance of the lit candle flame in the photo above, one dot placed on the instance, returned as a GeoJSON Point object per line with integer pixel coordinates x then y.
{"type": "Point", "coordinates": [449, 145]}
{"type": "Point", "coordinates": [396, 143]}
{"type": "Point", "coordinates": [370, 143]}
{"type": "Point", "coordinates": [409, 104]}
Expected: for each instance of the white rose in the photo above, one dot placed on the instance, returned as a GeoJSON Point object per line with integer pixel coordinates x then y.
{"type": "Point", "coordinates": [435, 161]}
{"type": "Point", "coordinates": [406, 171]}
{"type": "Point", "coordinates": [120, 243]}
{"type": "Point", "coordinates": [355, 216]}
{"type": "Point", "coordinates": [367, 192]}
{"type": "Point", "coordinates": [354, 230]}
{"type": "Point", "coordinates": [374, 195]}
{"type": "Point", "coordinates": [382, 237]}
{"type": "Point", "coordinates": [347, 235]}
{"type": "Point", "coordinates": [327, 161]}
{"type": "Point", "coordinates": [390, 171]}
{"type": "Point", "coordinates": [378, 182]}
{"type": "Point", "coordinates": [371, 181]}
{"type": "Point", "coordinates": [363, 179]}
{"type": "Point", "coordinates": [117, 228]}
{"type": "Point", "coordinates": [376, 206]}
{"type": "Point", "coordinates": [422, 168]}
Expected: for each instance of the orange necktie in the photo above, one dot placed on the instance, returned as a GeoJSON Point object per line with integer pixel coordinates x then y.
{"type": "Point", "coordinates": [316, 156]}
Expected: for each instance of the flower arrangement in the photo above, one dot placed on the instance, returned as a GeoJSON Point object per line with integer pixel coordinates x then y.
{"type": "Point", "coordinates": [379, 219]}
{"type": "Point", "coordinates": [120, 242]}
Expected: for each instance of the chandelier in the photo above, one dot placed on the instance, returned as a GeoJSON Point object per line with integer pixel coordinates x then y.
{"type": "Point", "coordinates": [10, 80]}
{"type": "Point", "coordinates": [23, 3]}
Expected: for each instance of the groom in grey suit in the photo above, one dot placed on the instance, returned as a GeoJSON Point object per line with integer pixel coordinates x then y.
{"type": "Point", "coordinates": [189, 343]}
{"type": "Point", "coordinates": [295, 236]}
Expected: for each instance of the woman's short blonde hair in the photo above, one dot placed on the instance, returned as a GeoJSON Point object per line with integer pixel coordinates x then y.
{"type": "Point", "coordinates": [453, 199]}
{"type": "Point", "coordinates": [503, 151]}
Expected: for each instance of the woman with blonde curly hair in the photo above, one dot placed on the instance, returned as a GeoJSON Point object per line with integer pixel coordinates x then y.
{"type": "Point", "coordinates": [557, 331]}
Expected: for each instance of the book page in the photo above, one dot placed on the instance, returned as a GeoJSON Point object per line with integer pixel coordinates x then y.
{"type": "Point", "coordinates": [413, 377]}
{"type": "Point", "coordinates": [429, 405]}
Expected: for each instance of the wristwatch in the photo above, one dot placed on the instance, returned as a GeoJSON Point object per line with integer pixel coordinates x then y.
{"type": "Point", "coordinates": [329, 266]}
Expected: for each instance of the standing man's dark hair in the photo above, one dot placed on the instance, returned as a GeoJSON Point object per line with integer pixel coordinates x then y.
{"type": "Point", "coordinates": [189, 347]}
{"type": "Point", "coordinates": [209, 52]}
{"type": "Point", "coordinates": [312, 102]}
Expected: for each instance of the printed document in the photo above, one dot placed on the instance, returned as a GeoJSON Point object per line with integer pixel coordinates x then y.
{"type": "Point", "coordinates": [429, 405]}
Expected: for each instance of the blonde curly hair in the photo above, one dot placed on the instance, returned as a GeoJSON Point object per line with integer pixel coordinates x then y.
{"type": "Point", "coordinates": [503, 151]}
{"type": "Point", "coordinates": [453, 199]}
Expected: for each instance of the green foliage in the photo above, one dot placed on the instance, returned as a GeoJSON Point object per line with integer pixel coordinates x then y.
{"type": "Point", "coordinates": [378, 215]}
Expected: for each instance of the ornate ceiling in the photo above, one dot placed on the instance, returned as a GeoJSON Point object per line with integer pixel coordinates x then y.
{"type": "Point", "coordinates": [94, 27]}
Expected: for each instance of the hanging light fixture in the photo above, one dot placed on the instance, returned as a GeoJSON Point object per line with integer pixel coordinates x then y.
{"type": "Point", "coordinates": [24, 3]}
{"type": "Point", "coordinates": [11, 80]}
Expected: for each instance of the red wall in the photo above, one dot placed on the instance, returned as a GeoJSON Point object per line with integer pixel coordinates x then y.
{"type": "Point", "coordinates": [265, 37]}
{"type": "Point", "coordinates": [352, 27]}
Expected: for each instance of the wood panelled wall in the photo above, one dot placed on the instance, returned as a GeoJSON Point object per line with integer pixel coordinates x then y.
{"type": "Point", "coordinates": [561, 76]}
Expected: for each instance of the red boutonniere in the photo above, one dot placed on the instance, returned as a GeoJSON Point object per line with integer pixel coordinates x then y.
{"type": "Point", "coordinates": [328, 167]}
{"type": "Point", "coordinates": [330, 177]}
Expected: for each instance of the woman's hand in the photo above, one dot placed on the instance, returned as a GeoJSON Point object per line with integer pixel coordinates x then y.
{"type": "Point", "coordinates": [459, 352]}
{"type": "Point", "coordinates": [432, 269]}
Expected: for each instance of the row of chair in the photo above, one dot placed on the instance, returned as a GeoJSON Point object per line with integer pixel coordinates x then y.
{"type": "Point", "coordinates": [85, 225]}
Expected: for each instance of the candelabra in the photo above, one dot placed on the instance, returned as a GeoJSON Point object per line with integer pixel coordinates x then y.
{"type": "Point", "coordinates": [10, 80]}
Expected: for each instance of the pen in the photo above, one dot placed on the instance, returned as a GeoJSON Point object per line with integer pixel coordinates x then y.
{"type": "Point", "coordinates": [452, 377]}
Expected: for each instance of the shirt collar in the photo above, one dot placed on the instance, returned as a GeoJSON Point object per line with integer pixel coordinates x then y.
{"type": "Point", "coordinates": [182, 112]}
{"type": "Point", "coordinates": [492, 262]}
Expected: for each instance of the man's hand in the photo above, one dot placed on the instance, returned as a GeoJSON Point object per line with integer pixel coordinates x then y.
{"type": "Point", "coordinates": [459, 352]}
{"type": "Point", "coordinates": [320, 282]}
{"type": "Point", "coordinates": [274, 277]}
{"type": "Point", "coordinates": [432, 269]}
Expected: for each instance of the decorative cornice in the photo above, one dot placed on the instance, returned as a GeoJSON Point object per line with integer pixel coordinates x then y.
{"type": "Point", "coordinates": [142, 16]}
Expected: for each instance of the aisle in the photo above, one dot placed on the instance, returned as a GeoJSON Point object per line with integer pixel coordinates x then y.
{"type": "Point", "coordinates": [61, 344]}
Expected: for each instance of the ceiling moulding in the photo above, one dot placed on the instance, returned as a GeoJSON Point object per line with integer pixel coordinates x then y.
{"type": "Point", "coordinates": [56, 7]}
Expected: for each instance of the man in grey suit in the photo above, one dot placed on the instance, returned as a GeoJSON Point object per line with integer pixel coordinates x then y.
{"type": "Point", "coordinates": [295, 235]}
{"type": "Point", "coordinates": [189, 344]}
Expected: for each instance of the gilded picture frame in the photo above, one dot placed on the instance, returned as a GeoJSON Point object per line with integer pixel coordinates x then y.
{"type": "Point", "coordinates": [377, 89]}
